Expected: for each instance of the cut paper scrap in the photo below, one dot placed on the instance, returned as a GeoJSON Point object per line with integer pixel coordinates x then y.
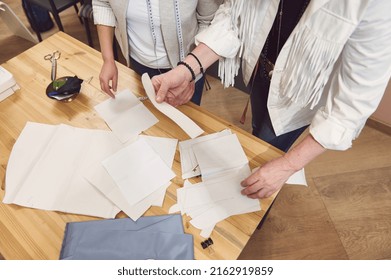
{"type": "Point", "coordinates": [298, 178]}
{"type": "Point", "coordinates": [126, 115]}
{"type": "Point", "coordinates": [189, 165]}
{"type": "Point", "coordinates": [219, 154]}
{"type": "Point", "coordinates": [50, 176]}
{"type": "Point", "coordinates": [137, 170]}
{"type": "Point", "coordinates": [190, 127]}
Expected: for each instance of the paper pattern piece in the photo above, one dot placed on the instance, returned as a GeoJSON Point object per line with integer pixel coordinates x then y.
{"type": "Point", "coordinates": [138, 171]}
{"type": "Point", "coordinates": [189, 165]}
{"type": "Point", "coordinates": [190, 127]}
{"type": "Point", "coordinates": [46, 166]}
{"type": "Point", "coordinates": [100, 178]}
{"type": "Point", "coordinates": [219, 154]}
{"type": "Point", "coordinates": [223, 165]}
{"type": "Point", "coordinates": [154, 237]}
{"type": "Point", "coordinates": [126, 115]}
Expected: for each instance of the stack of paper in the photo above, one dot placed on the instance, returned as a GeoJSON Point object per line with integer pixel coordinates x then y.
{"type": "Point", "coordinates": [223, 165]}
{"type": "Point", "coordinates": [7, 84]}
{"type": "Point", "coordinates": [155, 237]}
{"type": "Point", "coordinates": [65, 171]}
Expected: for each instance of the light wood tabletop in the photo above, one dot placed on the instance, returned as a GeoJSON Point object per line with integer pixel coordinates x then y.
{"type": "Point", "coordinates": [27, 233]}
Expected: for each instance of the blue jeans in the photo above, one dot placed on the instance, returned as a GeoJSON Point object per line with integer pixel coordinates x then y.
{"type": "Point", "coordinates": [141, 69]}
{"type": "Point", "coordinates": [261, 123]}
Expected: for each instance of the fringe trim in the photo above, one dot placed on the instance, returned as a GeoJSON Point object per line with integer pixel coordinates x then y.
{"type": "Point", "coordinates": [309, 65]}
{"type": "Point", "coordinates": [243, 13]}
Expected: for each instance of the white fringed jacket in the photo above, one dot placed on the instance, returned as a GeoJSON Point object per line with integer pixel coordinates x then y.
{"type": "Point", "coordinates": [332, 71]}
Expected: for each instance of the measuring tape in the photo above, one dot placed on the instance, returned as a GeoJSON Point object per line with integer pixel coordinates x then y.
{"type": "Point", "coordinates": [178, 26]}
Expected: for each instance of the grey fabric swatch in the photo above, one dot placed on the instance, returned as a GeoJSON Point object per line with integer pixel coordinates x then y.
{"type": "Point", "coordinates": [155, 237]}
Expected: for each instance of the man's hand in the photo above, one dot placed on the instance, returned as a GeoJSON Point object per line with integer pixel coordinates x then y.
{"type": "Point", "coordinates": [268, 179]}
{"type": "Point", "coordinates": [173, 87]}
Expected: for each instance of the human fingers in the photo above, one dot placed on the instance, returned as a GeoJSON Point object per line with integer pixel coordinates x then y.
{"type": "Point", "coordinates": [262, 193]}
{"type": "Point", "coordinates": [161, 88]}
{"type": "Point", "coordinates": [114, 81]}
{"type": "Point", "coordinates": [106, 88]}
{"type": "Point", "coordinates": [187, 93]}
{"type": "Point", "coordinates": [105, 76]}
{"type": "Point", "coordinates": [251, 189]}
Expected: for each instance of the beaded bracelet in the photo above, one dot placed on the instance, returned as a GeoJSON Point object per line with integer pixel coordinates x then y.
{"type": "Point", "coordinates": [207, 85]}
{"type": "Point", "coordinates": [199, 63]}
{"type": "Point", "coordinates": [193, 77]}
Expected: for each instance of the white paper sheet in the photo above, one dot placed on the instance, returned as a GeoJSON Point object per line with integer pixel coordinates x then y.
{"type": "Point", "coordinates": [190, 127]}
{"type": "Point", "coordinates": [100, 178]}
{"type": "Point", "coordinates": [189, 165]}
{"type": "Point", "coordinates": [126, 115]}
{"type": "Point", "coordinates": [49, 176]}
{"type": "Point", "coordinates": [164, 147]}
{"type": "Point", "coordinates": [219, 154]}
{"type": "Point", "coordinates": [298, 178]}
{"type": "Point", "coordinates": [137, 170]}
{"type": "Point", "coordinates": [215, 199]}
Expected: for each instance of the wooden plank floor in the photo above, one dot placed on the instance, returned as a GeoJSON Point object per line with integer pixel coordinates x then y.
{"type": "Point", "coordinates": [345, 213]}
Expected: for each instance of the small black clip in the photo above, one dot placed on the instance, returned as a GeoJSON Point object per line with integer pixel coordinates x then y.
{"type": "Point", "coordinates": [206, 244]}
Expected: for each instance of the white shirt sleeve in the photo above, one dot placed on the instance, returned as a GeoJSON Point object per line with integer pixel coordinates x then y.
{"type": "Point", "coordinates": [359, 82]}
{"type": "Point", "coordinates": [220, 35]}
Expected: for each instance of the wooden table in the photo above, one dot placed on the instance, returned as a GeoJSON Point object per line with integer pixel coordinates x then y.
{"type": "Point", "coordinates": [27, 233]}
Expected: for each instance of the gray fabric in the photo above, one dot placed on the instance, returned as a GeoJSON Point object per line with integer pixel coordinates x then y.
{"type": "Point", "coordinates": [156, 237]}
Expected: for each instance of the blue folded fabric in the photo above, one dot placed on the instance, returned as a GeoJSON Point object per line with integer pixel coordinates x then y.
{"type": "Point", "coordinates": [155, 237]}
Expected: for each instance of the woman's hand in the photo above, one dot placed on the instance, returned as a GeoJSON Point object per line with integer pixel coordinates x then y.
{"type": "Point", "coordinates": [108, 78]}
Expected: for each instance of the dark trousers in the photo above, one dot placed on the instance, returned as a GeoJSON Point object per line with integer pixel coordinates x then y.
{"type": "Point", "coordinates": [261, 123]}
{"type": "Point", "coordinates": [141, 69]}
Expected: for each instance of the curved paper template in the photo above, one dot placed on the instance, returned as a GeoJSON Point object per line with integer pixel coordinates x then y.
{"type": "Point", "coordinates": [190, 127]}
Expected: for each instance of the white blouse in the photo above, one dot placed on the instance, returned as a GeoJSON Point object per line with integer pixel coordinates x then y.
{"type": "Point", "coordinates": [141, 40]}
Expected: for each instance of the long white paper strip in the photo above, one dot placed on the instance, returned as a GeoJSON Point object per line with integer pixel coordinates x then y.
{"type": "Point", "coordinates": [190, 127]}
{"type": "Point", "coordinates": [126, 115]}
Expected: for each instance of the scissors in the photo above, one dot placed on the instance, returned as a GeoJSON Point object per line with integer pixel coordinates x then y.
{"type": "Point", "coordinates": [53, 59]}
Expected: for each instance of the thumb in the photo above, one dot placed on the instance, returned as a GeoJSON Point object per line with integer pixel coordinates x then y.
{"type": "Point", "coordinates": [162, 93]}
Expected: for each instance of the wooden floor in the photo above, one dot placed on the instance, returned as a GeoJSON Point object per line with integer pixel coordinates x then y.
{"type": "Point", "coordinates": [345, 213]}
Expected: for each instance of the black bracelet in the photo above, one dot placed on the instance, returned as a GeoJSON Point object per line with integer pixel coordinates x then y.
{"type": "Point", "coordinates": [207, 85]}
{"type": "Point", "coordinates": [193, 77]}
{"type": "Point", "coordinates": [199, 63]}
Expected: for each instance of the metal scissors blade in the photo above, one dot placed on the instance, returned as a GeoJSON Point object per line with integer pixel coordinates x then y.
{"type": "Point", "coordinates": [53, 59]}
